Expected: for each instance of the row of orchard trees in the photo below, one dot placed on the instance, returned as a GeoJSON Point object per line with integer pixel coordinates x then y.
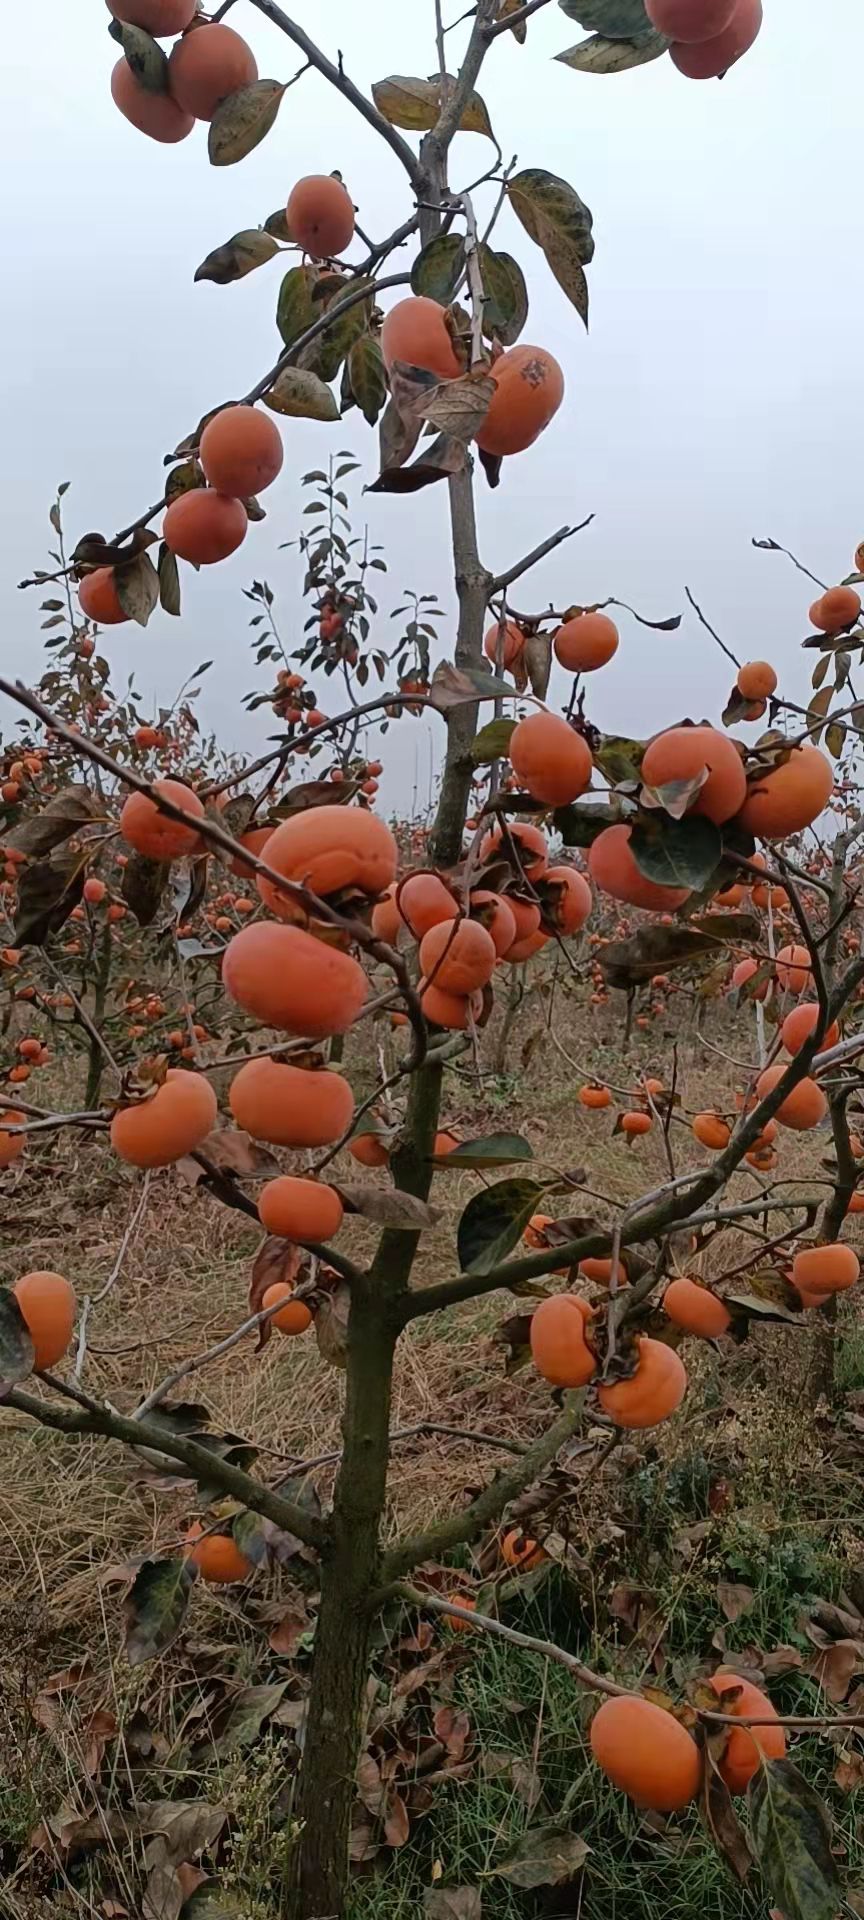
{"type": "Point", "coordinates": [331, 925]}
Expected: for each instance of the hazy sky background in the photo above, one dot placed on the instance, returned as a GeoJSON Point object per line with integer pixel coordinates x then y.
{"type": "Point", "coordinates": [716, 397]}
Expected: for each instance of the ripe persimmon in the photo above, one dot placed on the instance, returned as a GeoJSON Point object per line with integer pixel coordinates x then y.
{"type": "Point", "coordinates": [789, 797]}
{"type": "Point", "coordinates": [801, 1023]}
{"type": "Point", "coordinates": [571, 899]}
{"type": "Point", "coordinates": [291, 1106]}
{"type": "Point", "coordinates": [241, 451]}
{"type": "Point", "coordinates": [454, 1620]}
{"type": "Point", "coordinates": [695, 1309]}
{"type": "Point", "coordinates": [424, 901]}
{"type": "Point", "coordinates": [746, 1747]}
{"type": "Point", "coordinates": [329, 850]}
{"type": "Point", "coordinates": [743, 973]}
{"type": "Point", "coordinates": [825, 1270]}
{"type": "Point", "coordinates": [586, 642]}
{"type": "Point", "coordinates": [254, 840]}
{"type": "Point", "coordinates": [162, 18]}
{"type": "Point", "coordinates": [595, 1098]}
{"type": "Point", "coordinates": [652, 1393]}
{"type": "Point", "coordinates": [710, 59]}
{"type": "Point", "coordinates": [286, 978]}
{"type": "Point", "coordinates": [173, 1122]}
{"type": "Point", "coordinates": [320, 216]}
{"type": "Point", "coordinates": [387, 922]}
{"type": "Point", "coordinates": [681, 754]}
{"type": "Point", "coordinates": [529, 389]}
{"type": "Point", "coordinates": [507, 636]}
{"type": "Point", "coordinates": [204, 527]}
{"type": "Point", "coordinates": [600, 1270]}
{"type": "Point", "coordinates": [47, 1303]}
{"type": "Point", "coordinates": [550, 759]}
{"type": "Point", "coordinates": [839, 607]}
{"type": "Point", "coordinates": [300, 1209]}
{"type": "Point", "coordinates": [646, 1752]}
{"type": "Point", "coordinates": [416, 332]}
{"type": "Point", "coordinates": [559, 1347]}
{"type": "Point", "coordinates": [369, 1150]}
{"type": "Point", "coordinates": [97, 592]}
{"type": "Point", "coordinates": [793, 968]}
{"type": "Point", "coordinates": [11, 1144]}
{"type": "Point", "coordinates": [520, 1552]}
{"type": "Point", "coordinates": [156, 114]}
{"type": "Point", "coordinates": [206, 65]}
{"type": "Point", "coordinates": [614, 870]}
{"type": "Point", "coordinates": [803, 1108]}
{"type": "Point", "coordinates": [690, 20]}
{"type": "Point", "coordinates": [531, 850]}
{"type": "Point", "coordinates": [155, 834]}
{"type": "Point", "coordinates": [458, 957]}
{"type": "Point", "coordinates": [217, 1557]}
{"type": "Point", "coordinates": [444, 1143]}
{"type": "Point", "coordinates": [756, 680]}
{"type": "Point", "coordinates": [455, 1011]}
{"type": "Point", "coordinates": [712, 1131]}
{"type": "Point", "coordinates": [294, 1316]}
{"type": "Point", "coordinates": [636, 1123]}
{"type": "Point", "coordinates": [495, 913]}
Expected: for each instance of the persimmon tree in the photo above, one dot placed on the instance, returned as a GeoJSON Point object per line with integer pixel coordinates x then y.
{"type": "Point", "coordinates": [337, 930]}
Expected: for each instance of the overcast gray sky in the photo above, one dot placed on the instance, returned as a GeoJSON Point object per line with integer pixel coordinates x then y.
{"type": "Point", "coordinates": [716, 397]}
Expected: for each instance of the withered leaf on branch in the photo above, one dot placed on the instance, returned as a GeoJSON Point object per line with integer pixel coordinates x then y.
{"type": "Point", "coordinates": [73, 807]}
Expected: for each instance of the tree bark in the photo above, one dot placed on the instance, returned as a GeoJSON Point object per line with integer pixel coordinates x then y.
{"type": "Point", "coordinates": [349, 1572]}
{"type": "Point", "coordinates": [472, 587]}
{"type": "Point", "coordinates": [96, 1058]}
{"type": "Point", "coordinates": [351, 1566]}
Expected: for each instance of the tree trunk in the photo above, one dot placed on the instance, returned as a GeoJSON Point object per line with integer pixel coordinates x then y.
{"type": "Point", "coordinates": [351, 1565]}
{"type": "Point", "coordinates": [349, 1571]}
{"type": "Point", "coordinates": [472, 587]}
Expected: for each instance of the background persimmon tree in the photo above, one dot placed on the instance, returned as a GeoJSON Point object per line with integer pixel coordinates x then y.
{"type": "Point", "coordinates": [683, 856]}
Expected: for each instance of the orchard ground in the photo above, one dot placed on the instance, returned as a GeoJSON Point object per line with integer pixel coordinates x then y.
{"type": "Point", "coordinates": [735, 1526]}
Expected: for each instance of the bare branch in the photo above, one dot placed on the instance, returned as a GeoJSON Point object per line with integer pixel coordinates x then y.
{"type": "Point", "coordinates": [339, 79]}
{"type": "Point", "coordinates": [457, 1529]}
{"type": "Point", "coordinates": [105, 1423]}
{"type": "Point", "coordinates": [504, 580]}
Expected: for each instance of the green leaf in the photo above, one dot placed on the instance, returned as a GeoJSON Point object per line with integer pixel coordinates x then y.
{"type": "Point", "coordinates": [143, 884]}
{"type": "Point", "coordinates": [72, 808]}
{"type": "Point", "coordinates": [791, 1831]}
{"type": "Point", "coordinates": [492, 1150]}
{"type": "Point", "coordinates": [835, 739]}
{"type": "Point", "coordinates": [169, 581]}
{"type": "Point", "coordinates": [579, 826]}
{"type": "Point", "coordinates": [148, 61]}
{"type": "Point", "coordinates": [238, 256]}
{"type": "Point", "coordinates": [242, 1716]}
{"type": "Point", "coordinates": [677, 853]}
{"type": "Point", "coordinates": [295, 308]}
{"type": "Point", "coordinates": [302, 395]}
{"type": "Point", "coordinates": [438, 269]}
{"type": "Point", "coordinates": [16, 1346]}
{"type": "Point", "coordinates": [544, 1857]}
{"type": "Point", "coordinates": [658, 949]}
{"type": "Point", "coordinates": [366, 376]}
{"type": "Point", "coordinates": [493, 1221]}
{"type": "Point", "coordinates": [47, 892]}
{"type": "Point", "coordinates": [416, 104]}
{"type": "Point", "coordinates": [492, 742]}
{"type": "Point", "coordinates": [599, 55]}
{"type": "Point", "coordinates": [138, 588]}
{"type": "Point", "coordinates": [617, 19]}
{"type": "Point", "coordinates": [183, 479]}
{"type": "Point", "coordinates": [155, 1609]}
{"type": "Point", "coordinates": [212, 1902]}
{"type": "Point", "coordinates": [505, 307]}
{"type": "Point", "coordinates": [277, 224]}
{"type": "Point", "coordinates": [559, 222]}
{"type": "Point", "coordinates": [241, 121]}
{"type": "Point", "coordinates": [619, 758]}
